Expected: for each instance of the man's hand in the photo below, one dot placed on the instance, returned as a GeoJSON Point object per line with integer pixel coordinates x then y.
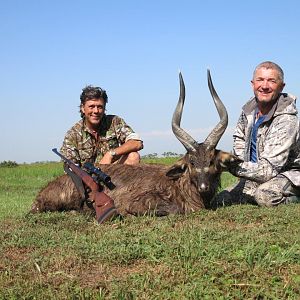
{"type": "Point", "coordinates": [107, 159]}
{"type": "Point", "coordinates": [228, 161]}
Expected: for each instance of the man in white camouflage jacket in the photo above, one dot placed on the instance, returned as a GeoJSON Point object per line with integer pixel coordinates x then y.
{"type": "Point", "coordinates": [267, 140]}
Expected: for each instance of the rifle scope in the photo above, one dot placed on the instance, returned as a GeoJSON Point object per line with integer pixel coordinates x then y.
{"type": "Point", "coordinates": [100, 175]}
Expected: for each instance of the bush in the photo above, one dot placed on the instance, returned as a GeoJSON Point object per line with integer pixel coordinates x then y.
{"type": "Point", "coordinates": [8, 163]}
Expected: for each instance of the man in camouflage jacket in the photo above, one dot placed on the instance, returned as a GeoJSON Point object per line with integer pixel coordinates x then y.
{"type": "Point", "coordinates": [267, 140]}
{"type": "Point", "coordinates": [100, 138]}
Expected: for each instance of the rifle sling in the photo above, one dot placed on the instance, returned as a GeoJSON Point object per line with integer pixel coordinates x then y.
{"type": "Point", "coordinates": [77, 181]}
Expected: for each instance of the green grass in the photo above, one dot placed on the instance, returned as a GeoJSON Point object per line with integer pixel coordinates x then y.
{"type": "Point", "coordinates": [238, 252]}
{"type": "Point", "coordinates": [165, 160]}
{"type": "Point", "coordinates": [19, 185]}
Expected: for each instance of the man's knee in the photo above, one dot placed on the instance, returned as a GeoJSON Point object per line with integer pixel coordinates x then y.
{"type": "Point", "coordinates": [263, 197]}
{"type": "Point", "coordinates": [132, 158]}
{"type": "Point", "coordinates": [270, 193]}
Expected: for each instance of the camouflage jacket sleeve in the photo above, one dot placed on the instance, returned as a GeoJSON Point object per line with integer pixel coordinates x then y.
{"type": "Point", "coordinates": [123, 131]}
{"type": "Point", "coordinates": [70, 145]}
{"type": "Point", "coordinates": [274, 144]}
{"type": "Point", "coordinates": [239, 138]}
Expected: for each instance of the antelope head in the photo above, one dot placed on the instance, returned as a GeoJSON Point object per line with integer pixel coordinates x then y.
{"type": "Point", "coordinates": [202, 163]}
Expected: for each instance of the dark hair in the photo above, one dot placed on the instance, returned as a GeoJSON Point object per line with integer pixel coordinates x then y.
{"type": "Point", "coordinates": [92, 92]}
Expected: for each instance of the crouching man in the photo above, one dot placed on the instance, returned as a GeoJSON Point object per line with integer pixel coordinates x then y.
{"type": "Point", "coordinates": [99, 138]}
{"type": "Point", "coordinates": [267, 139]}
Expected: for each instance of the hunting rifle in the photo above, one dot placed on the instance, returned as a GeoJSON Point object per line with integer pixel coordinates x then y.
{"type": "Point", "coordinates": [103, 204]}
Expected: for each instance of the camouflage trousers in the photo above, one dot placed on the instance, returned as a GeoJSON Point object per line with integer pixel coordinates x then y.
{"type": "Point", "coordinates": [278, 190]}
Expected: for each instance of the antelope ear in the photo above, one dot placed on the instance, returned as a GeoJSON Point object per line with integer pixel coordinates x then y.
{"type": "Point", "coordinates": [176, 170]}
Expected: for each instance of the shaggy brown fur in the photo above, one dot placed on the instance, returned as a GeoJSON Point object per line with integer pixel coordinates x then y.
{"type": "Point", "coordinates": [140, 189]}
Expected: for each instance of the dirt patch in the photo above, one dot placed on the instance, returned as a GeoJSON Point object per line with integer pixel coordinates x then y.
{"type": "Point", "coordinates": [16, 255]}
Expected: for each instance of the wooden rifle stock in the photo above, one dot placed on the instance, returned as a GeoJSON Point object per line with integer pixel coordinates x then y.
{"type": "Point", "coordinates": [103, 204]}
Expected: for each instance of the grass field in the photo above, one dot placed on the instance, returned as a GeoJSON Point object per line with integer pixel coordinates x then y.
{"type": "Point", "coordinates": [238, 252]}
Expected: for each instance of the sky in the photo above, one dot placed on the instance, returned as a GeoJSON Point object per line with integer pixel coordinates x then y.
{"type": "Point", "coordinates": [134, 50]}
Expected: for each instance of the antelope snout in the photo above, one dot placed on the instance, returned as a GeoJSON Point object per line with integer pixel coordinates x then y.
{"type": "Point", "coordinates": [203, 187]}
